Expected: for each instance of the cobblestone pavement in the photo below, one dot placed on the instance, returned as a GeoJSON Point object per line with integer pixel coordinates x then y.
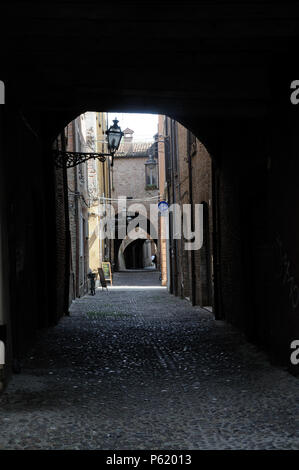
{"type": "Point", "coordinates": [137, 368]}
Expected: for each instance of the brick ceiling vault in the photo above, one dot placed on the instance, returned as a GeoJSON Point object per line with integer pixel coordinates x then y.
{"type": "Point", "coordinates": [196, 62]}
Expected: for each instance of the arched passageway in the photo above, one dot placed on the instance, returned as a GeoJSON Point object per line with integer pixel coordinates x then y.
{"type": "Point", "coordinates": [143, 231]}
{"type": "Point", "coordinates": [238, 107]}
{"type": "Point", "coordinates": [138, 254]}
{"type": "Point", "coordinates": [133, 255]}
{"type": "Point", "coordinates": [245, 218]}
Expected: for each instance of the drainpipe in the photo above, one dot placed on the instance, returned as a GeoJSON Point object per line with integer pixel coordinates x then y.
{"type": "Point", "coordinates": [193, 280]}
{"type": "Point", "coordinates": [174, 246]}
{"type": "Point", "coordinates": [217, 300]}
{"type": "Point", "coordinates": [67, 232]}
{"type": "Point", "coordinates": [77, 261]}
{"type": "Point", "coordinates": [109, 241]}
{"type": "Point", "coordinates": [109, 196]}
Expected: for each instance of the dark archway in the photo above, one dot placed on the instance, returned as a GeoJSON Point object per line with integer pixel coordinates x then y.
{"type": "Point", "coordinates": [118, 241]}
{"type": "Point", "coordinates": [133, 255]}
{"type": "Point", "coordinates": [238, 106]}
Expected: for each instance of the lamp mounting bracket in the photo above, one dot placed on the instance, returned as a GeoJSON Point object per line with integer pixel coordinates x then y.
{"type": "Point", "coordinates": [71, 159]}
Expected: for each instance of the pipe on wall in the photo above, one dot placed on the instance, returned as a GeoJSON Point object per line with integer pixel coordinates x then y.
{"type": "Point", "coordinates": [193, 280]}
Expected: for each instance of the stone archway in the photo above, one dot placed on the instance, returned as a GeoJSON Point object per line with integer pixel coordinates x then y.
{"type": "Point", "coordinates": [144, 244]}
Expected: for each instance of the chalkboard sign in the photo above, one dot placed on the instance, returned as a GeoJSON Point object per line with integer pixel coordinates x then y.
{"type": "Point", "coordinates": [106, 266]}
{"type": "Point", "coordinates": [102, 279]}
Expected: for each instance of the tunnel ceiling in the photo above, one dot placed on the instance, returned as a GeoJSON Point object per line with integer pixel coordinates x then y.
{"type": "Point", "coordinates": [192, 61]}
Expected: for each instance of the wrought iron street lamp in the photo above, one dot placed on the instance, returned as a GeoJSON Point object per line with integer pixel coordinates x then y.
{"type": "Point", "coordinates": [64, 159]}
{"type": "Point", "coordinates": [151, 172]}
{"type": "Point", "coordinates": [151, 162]}
{"type": "Point", "coordinates": [114, 134]}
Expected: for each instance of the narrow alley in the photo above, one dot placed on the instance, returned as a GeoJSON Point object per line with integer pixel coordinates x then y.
{"type": "Point", "coordinates": [138, 368]}
{"type": "Point", "coordinates": [149, 258]}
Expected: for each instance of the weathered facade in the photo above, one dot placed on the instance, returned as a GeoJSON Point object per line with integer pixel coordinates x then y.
{"type": "Point", "coordinates": [99, 187]}
{"type": "Point", "coordinates": [187, 181]}
{"type": "Point", "coordinates": [78, 201]}
{"type": "Point", "coordinates": [134, 184]}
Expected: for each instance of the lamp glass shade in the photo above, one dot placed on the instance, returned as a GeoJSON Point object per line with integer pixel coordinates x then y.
{"type": "Point", "coordinates": [151, 162]}
{"type": "Point", "coordinates": [114, 134]}
{"type": "Point", "coordinates": [151, 171]}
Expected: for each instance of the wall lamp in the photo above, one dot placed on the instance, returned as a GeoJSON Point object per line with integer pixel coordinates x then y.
{"type": "Point", "coordinates": [71, 159]}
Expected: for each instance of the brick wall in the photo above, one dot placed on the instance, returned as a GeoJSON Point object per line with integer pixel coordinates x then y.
{"type": "Point", "coordinates": [129, 178]}
{"type": "Point", "coordinates": [78, 209]}
{"type": "Point", "coordinates": [191, 271]}
{"type": "Point", "coordinates": [60, 241]}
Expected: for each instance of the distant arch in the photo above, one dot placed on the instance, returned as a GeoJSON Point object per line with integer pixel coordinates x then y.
{"type": "Point", "coordinates": [136, 252]}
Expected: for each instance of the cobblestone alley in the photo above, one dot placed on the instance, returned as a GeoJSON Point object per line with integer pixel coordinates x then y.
{"type": "Point", "coordinates": [137, 368]}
